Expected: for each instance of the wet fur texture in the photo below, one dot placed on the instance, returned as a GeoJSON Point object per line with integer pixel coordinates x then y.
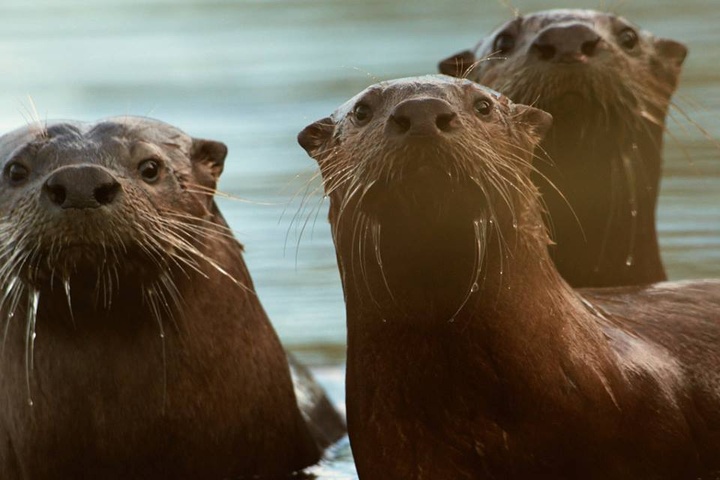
{"type": "Point", "coordinates": [468, 355]}
{"type": "Point", "coordinates": [134, 345]}
{"type": "Point", "coordinates": [602, 158]}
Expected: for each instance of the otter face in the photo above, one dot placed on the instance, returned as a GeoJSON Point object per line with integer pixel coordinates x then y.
{"type": "Point", "coordinates": [422, 141]}
{"type": "Point", "coordinates": [121, 194]}
{"type": "Point", "coordinates": [559, 60]}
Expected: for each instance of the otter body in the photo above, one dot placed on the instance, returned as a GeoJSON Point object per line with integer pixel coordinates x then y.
{"type": "Point", "coordinates": [469, 356]}
{"type": "Point", "coordinates": [134, 343]}
{"type": "Point", "coordinates": [608, 85]}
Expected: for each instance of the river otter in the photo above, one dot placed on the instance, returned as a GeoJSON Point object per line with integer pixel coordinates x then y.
{"type": "Point", "coordinates": [608, 86]}
{"type": "Point", "coordinates": [469, 356]}
{"type": "Point", "coordinates": [134, 345]}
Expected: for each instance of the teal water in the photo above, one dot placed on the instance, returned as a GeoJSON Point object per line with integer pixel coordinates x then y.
{"type": "Point", "coordinates": [253, 73]}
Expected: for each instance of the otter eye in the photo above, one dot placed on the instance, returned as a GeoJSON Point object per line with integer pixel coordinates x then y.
{"type": "Point", "coordinates": [483, 107]}
{"type": "Point", "coordinates": [504, 43]}
{"type": "Point", "coordinates": [149, 170]}
{"type": "Point", "coordinates": [16, 173]}
{"type": "Point", "coordinates": [362, 113]}
{"type": "Point", "coordinates": [628, 39]}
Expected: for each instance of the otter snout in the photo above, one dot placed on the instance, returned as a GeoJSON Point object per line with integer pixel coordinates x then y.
{"type": "Point", "coordinates": [422, 117]}
{"type": "Point", "coordinates": [81, 186]}
{"type": "Point", "coordinates": [567, 43]}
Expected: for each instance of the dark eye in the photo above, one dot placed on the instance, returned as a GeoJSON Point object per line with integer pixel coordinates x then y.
{"type": "Point", "coordinates": [628, 39]}
{"type": "Point", "coordinates": [362, 113]}
{"type": "Point", "coordinates": [483, 107]}
{"type": "Point", "coordinates": [149, 170]}
{"type": "Point", "coordinates": [16, 173]}
{"type": "Point", "coordinates": [504, 43]}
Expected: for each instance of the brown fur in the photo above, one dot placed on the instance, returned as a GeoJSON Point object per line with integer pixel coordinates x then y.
{"type": "Point", "coordinates": [153, 357]}
{"type": "Point", "coordinates": [602, 156]}
{"type": "Point", "coordinates": [468, 355]}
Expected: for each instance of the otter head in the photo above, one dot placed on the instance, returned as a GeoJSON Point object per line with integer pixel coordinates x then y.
{"type": "Point", "coordinates": [90, 204]}
{"type": "Point", "coordinates": [608, 86]}
{"type": "Point", "coordinates": [579, 65]}
{"type": "Point", "coordinates": [419, 171]}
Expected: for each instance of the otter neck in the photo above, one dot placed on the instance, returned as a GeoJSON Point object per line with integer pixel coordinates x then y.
{"type": "Point", "coordinates": [418, 373]}
{"type": "Point", "coordinates": [516, 298]}
{"type": "Point", "coordinates": [605, 226]}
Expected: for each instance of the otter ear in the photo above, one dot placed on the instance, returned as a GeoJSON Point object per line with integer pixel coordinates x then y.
{"type": "Point", "coordinates": [673, 53]}
{"type": "Point", "coordinates": [537, 122]}
{"type": "Point", "coordinates": [457, 65]}
{"type": "Point", "coordinates": [208, 159]}
{"type": "Point", "coordinates": [316, 135]}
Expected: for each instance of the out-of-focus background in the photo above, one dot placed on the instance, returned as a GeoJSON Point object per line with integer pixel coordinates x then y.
{"type": "Point", "coordinates": [252, 73]}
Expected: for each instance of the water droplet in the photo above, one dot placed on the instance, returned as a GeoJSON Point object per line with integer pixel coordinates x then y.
{"type": "Point", "coordinates": [634, 213]}
{"type": "Point", "coordinates": [30, 402]}
{"type": "Point", "coordinates": [384, 321]}
{"type": "Point", "coordinates": [452, 320]}
{"type": "Point", "coordinates": [630, 260]}
{"type": "Point", "coordinates": [475, 287]}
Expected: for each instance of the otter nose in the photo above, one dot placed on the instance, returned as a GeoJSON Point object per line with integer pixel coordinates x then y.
{"type": "Point", "coordinates": [422, 117]}
{"type": "Point", "coordinates": [566, 43]}
{"type": "Point", "coordinates": [83, 186]}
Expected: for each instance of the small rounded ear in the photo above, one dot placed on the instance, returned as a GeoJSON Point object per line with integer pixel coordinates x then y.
{"type": "Point", "coordinates": [457, 65]}
{"type": "Point", "coordinates": [314, 136]}
{"type": "Point", "coordinates": [208, 159]}
{"type": "Point", "coordinates": [671, 52]}
{"type": "Point", "coordinates": [535, 121]}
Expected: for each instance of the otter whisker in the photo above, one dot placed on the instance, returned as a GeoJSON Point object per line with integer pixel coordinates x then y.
{"type": "Point", "coordinates": [169, 290]}
{"type": "Point", "coordinates": [150, 297]}
{"type": "Point", "coordinates": [359, 232]}
{"type": "Point", "coordinates": [210, 226]}
{"type": "Point", "coordinates": [630, 179]}
{"type": "Point", "coordinates": [13, 292]}
{"type": "Point", "coordinates": [190, 249]}
{"type": "Point", "coordinates": [66, 285]}
{"type": "Point", "coordinates": [480, 237]}
{"type": "Point", "coordinates": [32, 309]}
{"type": "Point", "coordinates": [376, 234]}
{"type": "Point", "coordinates": [197, 230]}
{"type": "Point", "coordinates": [305, 198]}
{"type": "Point", "coordinates": [685, 117]}
{"type": "Point", "coordinates": [214, 192]}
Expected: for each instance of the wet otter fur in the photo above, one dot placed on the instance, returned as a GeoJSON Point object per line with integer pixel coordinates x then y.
{"type": "Point", "coordinates": [608, 85]}
{"type": "Point", "coordinates": [134, 345]}
{"type": "Point", "coordinates": [469, 356]}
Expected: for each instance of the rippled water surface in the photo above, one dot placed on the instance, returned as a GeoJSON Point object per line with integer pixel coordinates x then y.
{"type": "Point", "coordinates": [253, 73]}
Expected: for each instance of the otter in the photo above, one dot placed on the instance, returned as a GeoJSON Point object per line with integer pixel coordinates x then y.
{"type": "Point", "coordinates": [469, 356]}
{"type": "Point", "coordinates": [608, 85]}
{"type": "Point", "coordinates": [134, 344]}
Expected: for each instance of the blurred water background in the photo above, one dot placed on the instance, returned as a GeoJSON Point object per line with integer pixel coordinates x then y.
{"type": "Point", "coordinates": [253, 73]}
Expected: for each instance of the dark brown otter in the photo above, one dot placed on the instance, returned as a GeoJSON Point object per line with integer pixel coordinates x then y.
{"type": "Point", "coordinates": [134, 345]}
{"type": "Point", "coordinates": [608, 86]}
{"type": "Point", "coordinates": [468, 355]}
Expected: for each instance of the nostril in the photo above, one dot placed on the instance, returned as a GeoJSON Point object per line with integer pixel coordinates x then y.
{"type": "Point", "coordinates": [588, 48]}
{"type": "Point", "coordinates": [402, 123]}
{"type": "Point", "coordinates": [106, 193]}
{"type": "Point", "coordinates": [444, 121]}
{"type": "Point", "coordinates": [56, 193]}
{"type": "Point", "coordinates": [547, 52]}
